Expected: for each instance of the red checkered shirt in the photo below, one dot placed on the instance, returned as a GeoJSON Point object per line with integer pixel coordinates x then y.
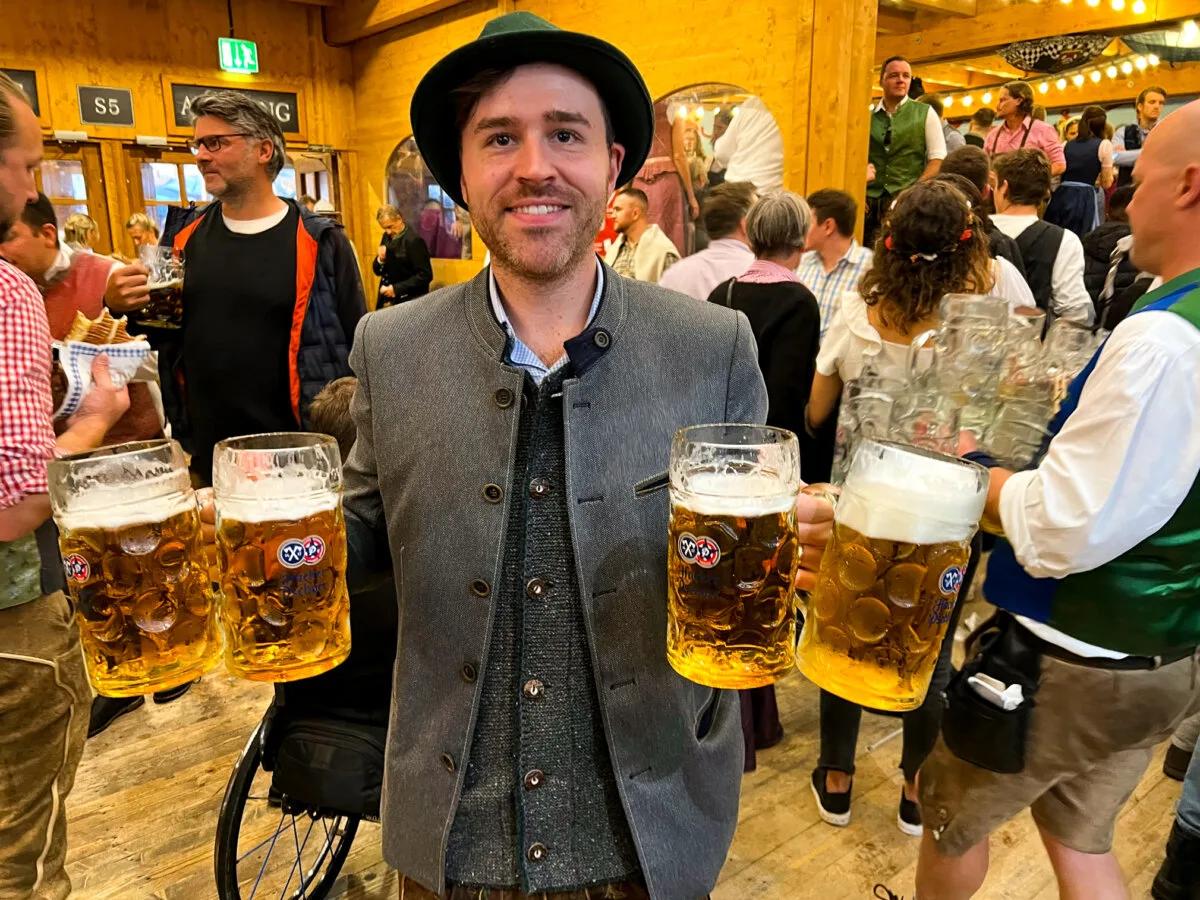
{"type": "Point", "coordinates": [26, 429]}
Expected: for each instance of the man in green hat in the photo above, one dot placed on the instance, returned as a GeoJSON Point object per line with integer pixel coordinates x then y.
{"type": "Point", "coordinates": [513, 440]}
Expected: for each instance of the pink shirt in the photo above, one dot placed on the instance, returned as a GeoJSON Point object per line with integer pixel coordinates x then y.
{"type": "Point", "coordinates": [1042, 136]}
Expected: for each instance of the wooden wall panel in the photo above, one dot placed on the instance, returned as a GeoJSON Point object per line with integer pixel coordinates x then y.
{"type": "Point", "coordinates": [133, 43]}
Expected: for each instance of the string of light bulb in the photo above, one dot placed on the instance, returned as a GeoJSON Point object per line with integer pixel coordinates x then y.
{"type": "Point", "coordinates": [1125, 66]}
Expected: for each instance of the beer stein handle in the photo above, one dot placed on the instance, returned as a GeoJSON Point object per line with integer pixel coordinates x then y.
{"type": "Point", "coordinates": [829, 493]}
{"type": "Point", "coordinates": [205, 499]}
{"type": "Point", "coordinates": [914, 353]}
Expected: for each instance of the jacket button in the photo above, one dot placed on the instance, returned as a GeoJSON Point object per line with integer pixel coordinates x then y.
{"type": "Point", "coordinates": [539, 488]}
{"type": "Point", "coordinates": [480, 588]}
{"type": "Point", "coordinates": [504, 398]}
{"type": "Point", "coordinates": [493, 493]}
{"type": "Point", "coordinates": [534, 779]}
{"type": "Point", "coordinates": [602, 339]}
{"type": "Point", "coordinates": [469, 673]}
{"type": "Point", "coordinates": [536, 588]}
{"type": "Point", "coordinates": [448, 762]}
{"type": "Point", "coordinates": [533, 689]}
{"type": "Point", "coordinates": [536, 852]}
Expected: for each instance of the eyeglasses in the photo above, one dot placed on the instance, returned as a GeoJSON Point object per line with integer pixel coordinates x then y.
{"type": "Point", "coordinates": [213, 142]}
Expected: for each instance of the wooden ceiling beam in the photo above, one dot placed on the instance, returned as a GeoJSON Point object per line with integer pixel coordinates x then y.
{"type": "Point", "coordinates": [997, 28]}
{"type": "Point", "coordinates": [943, 7]}
{"type": "Point", "coordinates": [893, 21]}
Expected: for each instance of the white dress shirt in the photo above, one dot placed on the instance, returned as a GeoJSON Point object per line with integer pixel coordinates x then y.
{"type": "Point", "coordinates": [697, 275]}
{"type": "Point", "coordinates": [1122, 465]}
{"type": "Point", "coordinates": [1010, 285]}
{"type": "Point", "coordinates": [751, 149]}
{"type": "Point", "coordinates": [1069, 297]}
{"type": "Point", "coordinates": [935, 138]}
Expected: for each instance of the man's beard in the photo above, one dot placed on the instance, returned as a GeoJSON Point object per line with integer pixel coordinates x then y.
{"type": "Point", "coordinates": [547, 263]}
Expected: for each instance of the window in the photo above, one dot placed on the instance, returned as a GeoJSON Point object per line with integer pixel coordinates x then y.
{"type": "Point", "coordinates": [170, 183]}
{"type": "Point", "coordinates": [70, 176]}
{"type": "Point", "coordinates": [444, 227]}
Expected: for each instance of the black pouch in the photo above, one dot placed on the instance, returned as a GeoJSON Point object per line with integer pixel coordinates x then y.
{"type": "Point", "coordinates": [977, 731]}
{"type": "Point", "coordinates": [330, 766]}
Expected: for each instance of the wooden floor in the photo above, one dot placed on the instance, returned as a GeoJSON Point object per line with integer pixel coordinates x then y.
{"type": "Point", "coordinates": [144, 809]}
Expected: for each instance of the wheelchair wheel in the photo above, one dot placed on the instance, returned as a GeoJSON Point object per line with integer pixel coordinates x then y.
{"type": "Point", "coordinates": [267, 849]}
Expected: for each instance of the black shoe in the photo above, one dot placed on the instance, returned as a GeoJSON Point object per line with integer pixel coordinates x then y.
{"type": "Point", "coordinates": [1179, 876]}
{"type": "Point", "coordinates": [909, 816]}
{"type": "Point", "coordinates": [833, 809]}
{"type": "Point", "coordinates": [173, 693]}
{"type": "Point", "coordinates": [886, 895]}
{"type": "Point", "coordinates": [106, 710]}
{"type": "Point", "coordinates": [1176, 762]}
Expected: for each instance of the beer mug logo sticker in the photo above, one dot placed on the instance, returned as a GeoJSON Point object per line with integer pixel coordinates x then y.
{"type": "Point", "coordinates": [952, 580]}
{"type": "Point", "coordinates": [294, 553]}
{"type": "Point", "coordinates": [701, 551]}
{"type": "Point", "coordinates": [77, 568]}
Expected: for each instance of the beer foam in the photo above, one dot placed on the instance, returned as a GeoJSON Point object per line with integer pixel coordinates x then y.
{"type": "Point", "coordinates": [111, 507]}
{"type": "Point", "coordinates": [276, 509]}
{"type": "Point", "coordinates": [912, 498]}
{"type": "Point", "coordinates": [723, 494]}
{"type": "Point", "coordinates": [164, 285]}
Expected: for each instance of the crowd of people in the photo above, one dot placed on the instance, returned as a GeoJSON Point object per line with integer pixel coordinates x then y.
{"type": "Point", "coordinates": [504, 434]}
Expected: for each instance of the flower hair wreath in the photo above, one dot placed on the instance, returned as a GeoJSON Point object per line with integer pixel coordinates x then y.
{"type": "Point", "coordinates": [967, 234]}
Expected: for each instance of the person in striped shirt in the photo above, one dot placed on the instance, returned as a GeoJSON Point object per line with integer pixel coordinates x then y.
{"type": "Point", "coordinates": [833, 262]}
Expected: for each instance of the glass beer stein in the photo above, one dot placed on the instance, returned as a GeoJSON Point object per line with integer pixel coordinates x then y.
{"type": "Point", "coordinates": [164, 308]}
{"type": "Point", "coordinates": [281, 545]}
{"type": "Point", "coordinates": [732, 554]}
{"type": "Point", "coordinates": [891, 574]}
{"type": "Point", "coordinates": [129, 531]}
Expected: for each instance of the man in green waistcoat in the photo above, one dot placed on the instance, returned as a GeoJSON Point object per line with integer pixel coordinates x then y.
{"type": "Point", "coordinates": [1098, 582]}
{"type": "Point", "coordinates": [907, 143]}
{"type": "Point", "coordinates": [44, 693]}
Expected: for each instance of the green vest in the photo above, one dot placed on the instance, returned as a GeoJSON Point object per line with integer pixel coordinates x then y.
{"type": "Point", "coordinates": [900, 159]}
{"type": "Point", "coordinates": [1150, 595]}
{"type": "Point", "coordinates": [20, 571]}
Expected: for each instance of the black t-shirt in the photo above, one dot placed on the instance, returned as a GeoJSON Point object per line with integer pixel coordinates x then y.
{"type": "Point", "coordinates": [239, 293]}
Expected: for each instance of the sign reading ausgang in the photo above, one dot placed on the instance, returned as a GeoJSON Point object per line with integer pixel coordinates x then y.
{"type": "Point", "coordinates": [105, 105]}
{"type": "Point", "coordinates": [27, 79]}
{"type": "Point", "coordinates": [283, 105]}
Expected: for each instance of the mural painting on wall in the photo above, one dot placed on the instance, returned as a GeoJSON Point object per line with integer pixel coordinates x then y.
{"type": "Point", "coordinates": [703, 135]}
{"type": "Point", "coordinates": [443, 226]}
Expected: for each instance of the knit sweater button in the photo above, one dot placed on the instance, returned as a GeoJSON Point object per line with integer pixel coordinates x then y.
{"type": "Point", "coordinates": [533, 779]}
{"type": "Point", "coordinates": [504, 398]}
{"type": "Point", "coordinates": [536, 852]}
{"type": "Point", "coordinates": [536, 588]}
{"type": "Point", "coordinates": [533, 689]}
{"type": "Point", "coordinates": [493, 493]}
{"type": "Point", "coordinates": [539, 487]}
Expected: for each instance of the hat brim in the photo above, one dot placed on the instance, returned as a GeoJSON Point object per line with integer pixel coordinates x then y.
{"type": "Point", "coordinates": [610, 71]}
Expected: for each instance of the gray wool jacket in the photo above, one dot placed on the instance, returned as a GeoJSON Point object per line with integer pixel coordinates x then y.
{"type": "Point", "coordinates": [437, 410]}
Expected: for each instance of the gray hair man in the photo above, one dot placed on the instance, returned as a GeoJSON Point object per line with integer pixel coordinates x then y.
{"type": "Point", "coordinates": [42, 679]}
{"type": "Point", "coordinates": [271, 294]}
{"type": "Point", "coordinates": [402, 260]}
{"type": "Point", "coordinates": [513, 460]}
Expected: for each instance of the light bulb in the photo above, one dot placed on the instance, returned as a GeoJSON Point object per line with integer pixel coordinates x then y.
{"type": "Point", "coordinates": [700, 111]}
{"type": "Point", "coordinates": [1118, 5]}
{"type": "Point", "coordinates": [1077, 79]}
{"type": "Point", "coordinates": [1153, 59]}
{"type": "Point", "coordinates": [948, 102]}
{"type": "Point", "coordinates": [1093, 2]}
{"type": "Point", "coordinates": [1126, 68]}
{"type": "Point", "coordinates": [1095, 76]}
{"type": "Point", "coordinates": [1189, 31]}
{"type": "Point", "coordinates": [1140, 62]}
{"type": "Point", "coordinates": [1061, 84]}
{"type": "Point", "coordinates": [1139, 7]}
{"type": "Point", "coordinates": [986, 98]}
{"type": "Point", "coordinates": [1044, 87]}
{"type": "Point", "coordinates": [967, 101]}
{"type": "Point", "coordinates": [1111, 71]}
{"type": "Point", "coordinates": [683, 111]}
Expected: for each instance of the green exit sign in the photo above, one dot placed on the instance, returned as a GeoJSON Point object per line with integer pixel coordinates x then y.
{"type": "Point", "coordinates": [238, 55]}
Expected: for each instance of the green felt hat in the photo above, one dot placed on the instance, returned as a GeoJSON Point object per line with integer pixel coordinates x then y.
{"type": "Point", "coordinates": [517, 39]}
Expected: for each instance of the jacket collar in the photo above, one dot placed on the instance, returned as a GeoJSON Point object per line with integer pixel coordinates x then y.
{"type": "Point", "coordinates": [583, 349]}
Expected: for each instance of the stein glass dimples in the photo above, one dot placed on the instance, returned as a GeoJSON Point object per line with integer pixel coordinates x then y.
{"type": "Point", "coordinates": [891, 574]}
{"type": "Point", "coordinates": [164, 308]}
{"type": "Point", "coordinates": [129, 531]}
{"type": "Point", "coordinates": [281, 543]}
{"type": "Point", "coordinates": [732, 554]}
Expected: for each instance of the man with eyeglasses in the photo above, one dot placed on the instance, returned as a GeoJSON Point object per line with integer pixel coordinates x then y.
{"type": "Point", "coordinates": [271, 292]}
{"type": "Point", "coordinates": [907, 143]}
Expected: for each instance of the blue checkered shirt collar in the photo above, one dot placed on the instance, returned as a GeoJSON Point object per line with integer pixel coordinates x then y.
{"type": "Point", "coordinates": [518, 354]}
